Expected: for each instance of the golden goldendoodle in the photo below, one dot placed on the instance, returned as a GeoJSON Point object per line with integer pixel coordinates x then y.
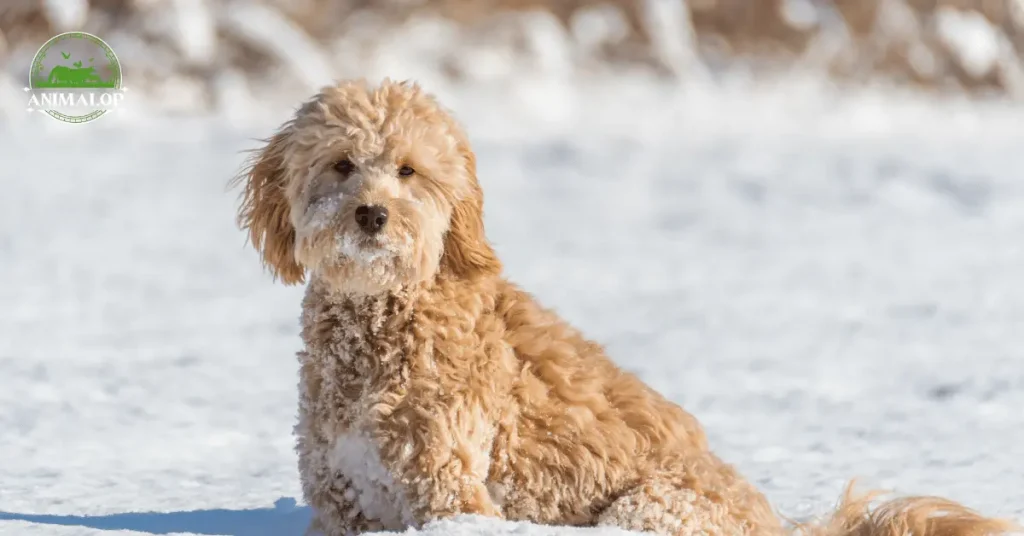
{"type": "Point", "coordinates": [430, 386]}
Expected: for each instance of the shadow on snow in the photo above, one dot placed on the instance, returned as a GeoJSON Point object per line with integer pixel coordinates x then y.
{"type": "Point", "coordinates": [284, 519]}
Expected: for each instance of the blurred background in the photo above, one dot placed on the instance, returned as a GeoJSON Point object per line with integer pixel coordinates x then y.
{"type": "Point", "coordinates": [801, 219]}
{"type": "Point", "coordinates": [202, 56]}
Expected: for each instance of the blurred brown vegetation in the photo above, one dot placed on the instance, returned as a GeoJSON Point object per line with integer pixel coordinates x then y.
{"type": "Point", "coordinates": [972, 46]}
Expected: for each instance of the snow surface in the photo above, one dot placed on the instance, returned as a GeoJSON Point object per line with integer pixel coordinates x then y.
{"type": "Point", "coordinates": [832, 285]}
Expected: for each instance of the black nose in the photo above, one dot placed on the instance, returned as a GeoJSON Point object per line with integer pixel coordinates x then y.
{"type": "Point", "coordinates": [371, 218]}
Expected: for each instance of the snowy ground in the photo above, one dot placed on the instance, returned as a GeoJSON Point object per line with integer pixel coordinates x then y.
{"type": "Point", "coordinates": [833, 288]}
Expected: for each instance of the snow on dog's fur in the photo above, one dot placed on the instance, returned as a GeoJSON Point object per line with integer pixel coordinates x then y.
{"type": "Point", "coordinates": [433, 387]}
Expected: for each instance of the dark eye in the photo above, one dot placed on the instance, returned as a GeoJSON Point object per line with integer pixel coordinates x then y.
{"type": "Point", "coordinates": [345, 167]}
{"type": "Point", "coordinates": [405, 171]}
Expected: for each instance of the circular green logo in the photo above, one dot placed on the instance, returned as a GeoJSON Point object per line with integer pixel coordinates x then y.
{"type": "Point", "coordinates": [75, 78]}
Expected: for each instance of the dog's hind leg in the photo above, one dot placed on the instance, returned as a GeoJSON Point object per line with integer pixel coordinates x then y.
{"type": "Point", "coordinates": [659, 507]}
{"type": "Point", "coordinates": [693, 495]}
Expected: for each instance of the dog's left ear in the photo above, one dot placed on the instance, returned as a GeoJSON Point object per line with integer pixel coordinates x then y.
{"type": "Point", "coordinates": [467, 254]}
{"type": "Point", "coordinates": [265, 211]}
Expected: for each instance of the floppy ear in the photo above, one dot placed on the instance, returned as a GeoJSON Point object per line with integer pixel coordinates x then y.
{"type": "Point", "coordinates": [265, 211]}
{"type": "Point", "coordinates": [467, 254]}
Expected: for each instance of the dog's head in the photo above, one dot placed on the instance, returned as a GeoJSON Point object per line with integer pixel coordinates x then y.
{"type": "Point", "coordinates": [368, 188]}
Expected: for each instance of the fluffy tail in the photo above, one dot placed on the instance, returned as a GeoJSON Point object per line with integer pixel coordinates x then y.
{"type": "Point", "coordinates": [907, 516]}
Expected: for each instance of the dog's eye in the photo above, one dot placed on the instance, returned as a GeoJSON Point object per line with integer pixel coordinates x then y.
{"type": "Point", "coordinates": [405, 171]}
{"type": "Point", "coordinates": [345, 167]}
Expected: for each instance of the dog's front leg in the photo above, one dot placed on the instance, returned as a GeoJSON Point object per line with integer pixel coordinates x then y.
{"type": "Point", "coordinates": [440, 450]}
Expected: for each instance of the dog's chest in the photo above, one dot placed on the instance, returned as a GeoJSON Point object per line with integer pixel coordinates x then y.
{"type": "Point", "coordinates": [356, 354]}
{"type": "Point", "coordinates": [354, 366]}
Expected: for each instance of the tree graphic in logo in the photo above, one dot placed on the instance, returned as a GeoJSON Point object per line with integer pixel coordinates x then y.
{"type": "Point", "coordinates": [75, 77]}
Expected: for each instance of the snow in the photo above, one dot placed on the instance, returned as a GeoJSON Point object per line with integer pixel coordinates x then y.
{"type": "Point", "coordinates": [323, 210]}
{"type": "Point", "coordinates": [830, 283]}
{"type": "Point", "coordinates": [348, 246]}
{"type": "Point", "coordinates": [66, 14]}
{"type": "Point", "coordinates": [672, 35]}
{"type": "Point", "coordinates": [195, 30]}
{"type": "Point", "coordinates": [972, 37]}
{"type": "Point", "coordinates": [278, 36]}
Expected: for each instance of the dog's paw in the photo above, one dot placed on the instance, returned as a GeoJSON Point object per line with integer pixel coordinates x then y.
{"type": "Point", "coordinates": [479, 502]}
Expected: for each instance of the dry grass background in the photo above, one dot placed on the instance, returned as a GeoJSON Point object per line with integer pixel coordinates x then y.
{"type": "Point", "coordinates": [200, 52]}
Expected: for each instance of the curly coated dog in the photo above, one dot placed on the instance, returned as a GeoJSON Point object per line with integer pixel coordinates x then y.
{"type": "Point", "coordinates": [430, 386]}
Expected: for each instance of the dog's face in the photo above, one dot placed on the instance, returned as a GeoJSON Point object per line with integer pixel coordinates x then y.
{"type": "Point", "coordinates": [368, 189]}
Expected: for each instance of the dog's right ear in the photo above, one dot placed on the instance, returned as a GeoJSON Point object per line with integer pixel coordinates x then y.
{"type": "Point", "coordinates": [265, 211]}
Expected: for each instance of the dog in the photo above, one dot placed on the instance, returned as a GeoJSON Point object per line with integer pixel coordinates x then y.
{"type": "Point", "coordinates": [431, 387]}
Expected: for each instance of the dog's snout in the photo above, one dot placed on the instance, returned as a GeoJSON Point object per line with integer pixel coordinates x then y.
{"type": "Point", "coordinates": [371, 218]}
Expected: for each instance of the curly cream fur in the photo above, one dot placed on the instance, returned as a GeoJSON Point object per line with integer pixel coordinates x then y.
{"type": "Point", "coordinates": [432, 387]}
